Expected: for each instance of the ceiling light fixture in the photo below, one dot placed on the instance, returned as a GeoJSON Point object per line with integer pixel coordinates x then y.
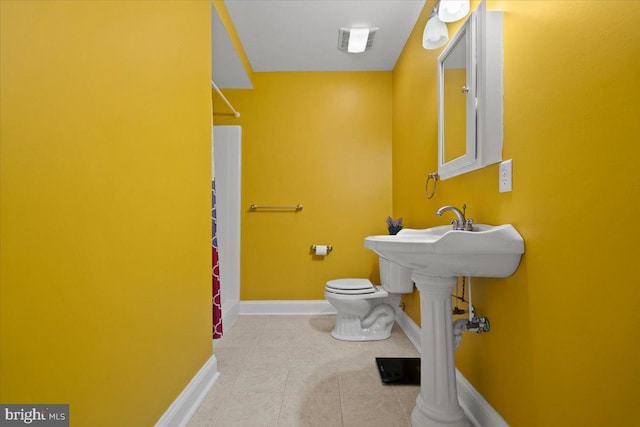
{"type": "Point", "coordinates": [453, 10]}
{"type": "Point", "coordinates": [436, 33]}
{"type": "Point", "coordinates": [356, 40]}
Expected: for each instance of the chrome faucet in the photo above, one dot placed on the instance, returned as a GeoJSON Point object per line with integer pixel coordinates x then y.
{"type": "Point", "coordinates": [460, 223]}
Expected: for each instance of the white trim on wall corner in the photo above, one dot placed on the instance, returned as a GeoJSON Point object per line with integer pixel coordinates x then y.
{"type": "Point", "coordinates": [186, 404]}
{"type": "Point", "coordinates": [307, 307]}
{"type": "Point", "coordinates": [477, 409]}
{"type": "Point", "coordinates": [230, 311]}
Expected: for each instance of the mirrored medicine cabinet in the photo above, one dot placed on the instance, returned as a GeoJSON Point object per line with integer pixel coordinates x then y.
{"type": "Point", "coordinates": [470, 96]}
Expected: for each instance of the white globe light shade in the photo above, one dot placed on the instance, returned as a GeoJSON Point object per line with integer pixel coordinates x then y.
{"type": "Point", "coordinates": [453, 10]}
{"type": "Point", "coordinates": [435, 34]}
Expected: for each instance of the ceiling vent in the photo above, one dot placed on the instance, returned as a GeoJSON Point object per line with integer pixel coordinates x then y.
{"type": "Point", "coordinates": [356, 40]}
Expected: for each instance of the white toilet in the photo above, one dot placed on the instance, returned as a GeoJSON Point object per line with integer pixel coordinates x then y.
{"type": "Point", "coordinates": [366, 312]}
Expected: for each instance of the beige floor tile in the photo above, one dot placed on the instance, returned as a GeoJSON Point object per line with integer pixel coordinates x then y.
{"type": "Point", "coordinates": [352, 355]}
{"type": "Point", "coordinates": [259, 380]}
{"type": "Point", "coordinates": [407, 395]}
{"type": "Point", "coordinates": [372, 410]}
{"type": "Point", "coordinates": [197, 421]}
{"type": "Point", "coordinates": [292, 322]}
{"type": "Point", "coordinates": [245, 338]}
{"type": "Point", "coordinates": [319, 409]}
{"type": "Point", "coordinates": [311, 381]}
{"type": "Point", "coordinates": [287, 371]}
{"type": "Point", "coordinates": [216, 399]}
{"type": "Point", "coordinates": [397, 346]}
{"type": "Point", "coordinates": [312, 337]}
{"type": "Point", "coordinates": [201, 419]}
{"type": "Point", "coordinates": [271, 357]}
{"type": "Point", "coordinates": [314, 356]}
{"type": "Point", "coordinates": [249, 410]}
{"type": "Point", "coordinates": [363, 382]}
{"type": "Point", "coordinates": [322, 323]}
{"type": "Point", "coordinates": [231, 357]}
{"type": "Point", "coordinates": [250, 322]}
{"type": "Point", "coordinates": [280, 338]}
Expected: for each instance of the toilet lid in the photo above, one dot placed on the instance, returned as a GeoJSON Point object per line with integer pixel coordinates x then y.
{"type": "Point", "coordinates": [350, 286]}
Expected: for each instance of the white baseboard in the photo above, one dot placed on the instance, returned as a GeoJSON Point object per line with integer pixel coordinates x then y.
{"type": "Point", "coordinates": [307, 307]}
{"type": "Point", "coordinates": [186, 404]}
{"type": "Point", "coordinates": [411, 330]}
{"type": "Point", "coordinates": [230, 311]}
{"type": "Point", "coordinates": [477, 409]}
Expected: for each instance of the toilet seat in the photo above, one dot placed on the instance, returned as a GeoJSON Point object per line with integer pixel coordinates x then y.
{"type": "Point", "coordinates": [353, 287]}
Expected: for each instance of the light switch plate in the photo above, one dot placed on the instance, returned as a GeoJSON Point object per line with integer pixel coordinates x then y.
{"type": "Point", "coordinates": [506, 175]}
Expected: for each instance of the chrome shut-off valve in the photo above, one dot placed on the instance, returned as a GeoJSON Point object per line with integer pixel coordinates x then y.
{"type": "Point", "coordinates": [479, 324]}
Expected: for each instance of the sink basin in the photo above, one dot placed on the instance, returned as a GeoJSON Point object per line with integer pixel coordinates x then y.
{"type": "Point", "coordinates": [487, 251]}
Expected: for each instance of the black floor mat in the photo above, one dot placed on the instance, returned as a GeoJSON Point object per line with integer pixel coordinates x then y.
{"type": "Point", "coordinates": [399, 370]}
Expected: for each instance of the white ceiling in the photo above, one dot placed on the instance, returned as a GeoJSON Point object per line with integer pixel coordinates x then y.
{"type": "Point", "coordinates": [302, 35]}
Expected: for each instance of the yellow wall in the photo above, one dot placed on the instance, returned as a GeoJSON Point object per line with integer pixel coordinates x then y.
{"type": "Point", "coordinates": [104, 205]}
{"type": "Point", "coordinates": [322, 140]}
{"type": "Point", "coordinates": [564, 341]}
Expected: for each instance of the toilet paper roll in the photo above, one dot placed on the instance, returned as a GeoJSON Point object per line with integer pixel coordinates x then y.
{"type": "Point", "coordinates": [321, 250]}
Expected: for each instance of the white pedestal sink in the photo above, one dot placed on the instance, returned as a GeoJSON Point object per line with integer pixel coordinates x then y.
{"type": "Point", "coordinates": [436, 257]}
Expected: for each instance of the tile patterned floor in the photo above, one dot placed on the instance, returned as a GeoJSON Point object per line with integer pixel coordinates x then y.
{"type": "Point", "coordinates": [287, 371]}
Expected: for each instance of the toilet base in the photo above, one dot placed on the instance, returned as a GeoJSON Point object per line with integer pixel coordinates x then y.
{"type": "Point", "coordinates": [350, 328]}
{"type": "Point", "coordinates": [372, 337]}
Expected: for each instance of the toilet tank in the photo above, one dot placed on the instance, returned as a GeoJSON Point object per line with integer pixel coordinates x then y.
{"type": "Point", "coordinates": [395, 278]}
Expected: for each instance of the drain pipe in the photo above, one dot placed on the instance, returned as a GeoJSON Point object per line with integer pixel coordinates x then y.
{"type": "Point", "coordinates": [474, 324]}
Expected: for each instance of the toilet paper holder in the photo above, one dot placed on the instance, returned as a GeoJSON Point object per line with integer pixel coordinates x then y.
{"type": "Point", "coordinates": [313, 248]}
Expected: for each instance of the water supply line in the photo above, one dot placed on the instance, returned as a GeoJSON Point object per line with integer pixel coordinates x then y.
{"type": "Point", "coordinates": [472, 324]}
{"type": "Point", "coordinates": [472, 310]}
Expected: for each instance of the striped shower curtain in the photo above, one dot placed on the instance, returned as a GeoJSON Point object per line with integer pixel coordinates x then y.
{"type": "Point", "coordinates": [215, 268]}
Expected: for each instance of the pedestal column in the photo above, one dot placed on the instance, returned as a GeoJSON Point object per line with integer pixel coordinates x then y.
{"type": "Point", "coordinates": [437, 404]}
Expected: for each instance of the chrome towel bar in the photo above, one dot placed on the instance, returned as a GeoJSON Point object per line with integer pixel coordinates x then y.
{"type": "Point", "coordinates": [296, 208]}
